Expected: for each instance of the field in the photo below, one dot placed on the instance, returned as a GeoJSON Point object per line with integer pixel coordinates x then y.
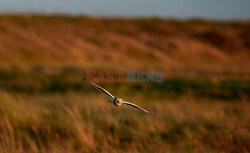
{"type": "Point", "coordinates": [202, 105]}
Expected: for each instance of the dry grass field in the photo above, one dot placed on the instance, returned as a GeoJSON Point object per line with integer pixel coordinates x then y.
{"type": "Point", "coordinates": [202, 105]}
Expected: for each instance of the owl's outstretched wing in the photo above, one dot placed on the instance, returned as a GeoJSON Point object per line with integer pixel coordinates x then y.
{"type": "Point", "coordinates": [99, 89]}
{"type": "Point", "coordinates": [136, 107]}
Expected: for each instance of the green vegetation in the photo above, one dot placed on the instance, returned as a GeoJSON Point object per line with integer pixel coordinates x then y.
{"type": "Point", "coordinates": [66, 80]}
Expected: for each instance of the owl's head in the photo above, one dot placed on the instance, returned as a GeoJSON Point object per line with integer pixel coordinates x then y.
{"type": "Point", "coordinates": [117, 101]}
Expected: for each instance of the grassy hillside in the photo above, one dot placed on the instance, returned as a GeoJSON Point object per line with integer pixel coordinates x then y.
{"type": "Point", "coordinates": [191, 47]}
{"type": "Point", "coordinates": [202, 105]}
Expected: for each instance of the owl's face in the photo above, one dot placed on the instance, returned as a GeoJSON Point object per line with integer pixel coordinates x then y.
{"type": "Point", "coordinates": [117, 101]}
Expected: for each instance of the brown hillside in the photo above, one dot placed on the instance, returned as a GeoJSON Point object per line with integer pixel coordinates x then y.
{"type": "Point", "coordinates": [151, 44]}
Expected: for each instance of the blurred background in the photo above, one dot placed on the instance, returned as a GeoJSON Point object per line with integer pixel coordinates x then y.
{"type": "Point", "coordinates": [202, 105]}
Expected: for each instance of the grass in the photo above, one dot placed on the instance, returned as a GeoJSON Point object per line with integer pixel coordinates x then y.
{"type": "Point", "coordinates": [202, 105]}
{"type": "Point", "coordinates": [38, 82]}
{"type": "Point", "coordinates": [57, 112]}
{"type": "Point", "coordinates": [86, 123]}
{"type": "Point", "coordinates": [147, 44]}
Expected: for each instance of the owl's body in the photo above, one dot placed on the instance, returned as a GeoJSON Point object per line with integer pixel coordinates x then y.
{"type": "Point", "coordinates": [116, 101]}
